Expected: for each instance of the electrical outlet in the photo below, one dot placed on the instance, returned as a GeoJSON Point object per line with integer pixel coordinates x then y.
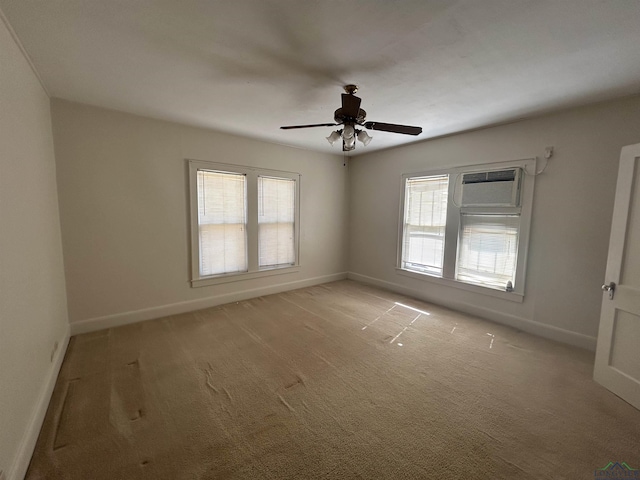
{"type": "Point", "coordinates": [53, 354]}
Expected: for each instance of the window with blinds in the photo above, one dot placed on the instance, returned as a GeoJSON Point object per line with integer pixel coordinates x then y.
{"type": "Point", "coordinates": [468, 227]}
{"type": "Point", "coordinates": [222, 222]}
{"type": "Point", "coordinates": [276, 222]}
{"type": "Point", "coordinates": [425, 219]}
{"type": "Point", "coordinates": [488, 249]}
{"type": "Point", "coordinates": [245, 222]}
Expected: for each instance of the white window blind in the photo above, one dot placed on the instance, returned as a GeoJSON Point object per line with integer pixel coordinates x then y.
{"type": "Point", "coordinates": [276, 222]}
{"type": "Point", "coordinates": [488, 249]}
{"type": "Point", "coordinates": [222, 222]}
{"type": "Point", "coordinates": [424, 223]}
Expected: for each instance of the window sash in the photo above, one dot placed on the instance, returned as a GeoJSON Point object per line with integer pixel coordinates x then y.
{"type": "Point", "coordinates": [222, 222]}
{"type": "Point", "coordinates": [425, 218]}
{"type": "Point", "coordinates": [488, 249]}
{"type": "Point", "coordinates": [276, 222]}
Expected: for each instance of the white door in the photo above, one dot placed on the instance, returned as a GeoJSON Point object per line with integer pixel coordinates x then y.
{"type": "Point", "coordinates": [618, 353]}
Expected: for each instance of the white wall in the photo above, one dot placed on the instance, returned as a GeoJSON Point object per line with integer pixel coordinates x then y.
{"type": "Point", "coordinates": [33, 314]}
{"type": "Point", "coordinates": [571, 215]}
{"type": "Point", "coordinates": [124, 211]}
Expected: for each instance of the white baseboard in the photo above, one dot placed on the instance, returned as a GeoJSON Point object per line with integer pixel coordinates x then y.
{"type": "Point", "coordinates": [30, 437]}
{"type": "Point", "coordinates": [110, 321]}
{"type": "Point", "coordinates": [526, 325]}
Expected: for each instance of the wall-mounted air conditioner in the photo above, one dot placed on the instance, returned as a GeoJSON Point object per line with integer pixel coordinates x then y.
{"type": "Point", "coordinates": [499, 188]}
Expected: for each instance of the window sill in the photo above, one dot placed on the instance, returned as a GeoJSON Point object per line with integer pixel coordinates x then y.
{"type": "Point", "coordinates": [238, 277]}
{"type": "Point", "coordinates": [511, 296]}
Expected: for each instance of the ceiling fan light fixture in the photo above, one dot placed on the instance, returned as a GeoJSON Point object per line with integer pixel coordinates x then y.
{"type": "Point", "coordinates": [348, 138]}
{"type": "Point", "coordinates": [348, 132]}
{"type": "Point", "coordinates": [348, 144]}
{"type": "Point", "coordinates": [334, 137]}
{"type": "Point", "coordinates": [364, 137]}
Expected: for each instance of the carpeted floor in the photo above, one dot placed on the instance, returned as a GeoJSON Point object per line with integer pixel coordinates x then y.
{"type": "Point", "coordinates": [335, 381]}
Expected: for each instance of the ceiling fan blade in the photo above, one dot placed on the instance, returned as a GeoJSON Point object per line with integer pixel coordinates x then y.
{"type": "Point", "coordinates": [391, 127]}
{"type": "Point", "coordinates": [350, 105]}
{"type": "Point", "coordinates": [290, 127]}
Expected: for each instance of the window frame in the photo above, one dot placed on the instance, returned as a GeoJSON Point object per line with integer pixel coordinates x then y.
{"type": "Point", "coordinates": [452, 230]}
{"type": "Point", "coordinates": [251, 174]}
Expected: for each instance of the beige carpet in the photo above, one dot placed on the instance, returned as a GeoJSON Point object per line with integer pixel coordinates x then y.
{"type": "Point", "coordinates": [336, 381]}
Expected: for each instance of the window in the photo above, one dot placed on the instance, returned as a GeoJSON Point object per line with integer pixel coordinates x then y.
{"type": "Point", "coordinates": [244, 222]}
{"type": "Point", "coordinates": [425, 219]}
{"type": "Point", "coordinates": [222, 222]}
{"type": "Point", "coordinates": [468, 227]}
{"type": "Point", "coordinates": [276, 225]}
{"type": "Point", "coordinates": [488, 250]}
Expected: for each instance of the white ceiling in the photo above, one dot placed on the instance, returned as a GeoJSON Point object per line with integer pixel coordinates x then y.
{"type": "Point", "coordinates": [250, 66]}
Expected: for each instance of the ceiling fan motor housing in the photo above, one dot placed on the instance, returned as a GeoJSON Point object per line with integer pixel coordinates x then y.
{"type": "Point", "coordinates": [340, 117]}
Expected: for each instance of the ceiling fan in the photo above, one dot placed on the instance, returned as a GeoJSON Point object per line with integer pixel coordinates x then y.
{"type": "Point", "coordinates": [351, 115]}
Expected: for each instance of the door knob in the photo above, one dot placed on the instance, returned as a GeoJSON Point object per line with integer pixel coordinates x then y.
{"type": "Point", "coordinates": [609, 288]}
